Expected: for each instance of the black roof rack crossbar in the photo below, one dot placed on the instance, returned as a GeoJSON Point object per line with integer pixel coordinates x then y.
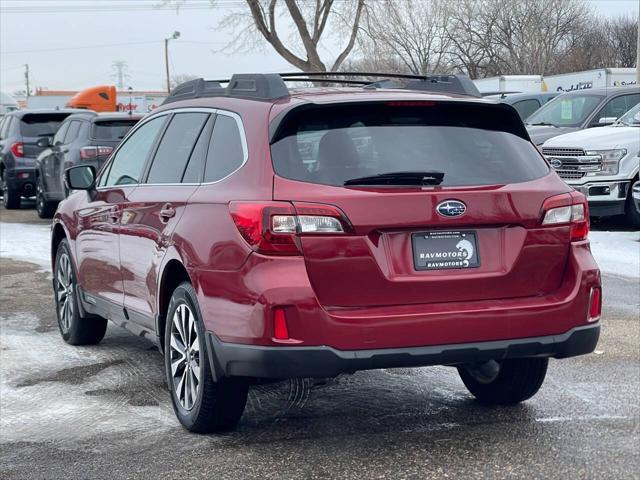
{"type": "Point", "coordinates": [271, 86]}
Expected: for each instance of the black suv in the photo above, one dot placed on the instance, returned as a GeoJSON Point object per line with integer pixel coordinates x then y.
{"type": "Point", "coordinates": [19, 134]}
{"type": "Point", "coordinates": [87, 138]}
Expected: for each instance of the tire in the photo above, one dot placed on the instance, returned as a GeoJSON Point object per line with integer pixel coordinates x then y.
{"type": "Point", "coordinates": [10, 196]}
{"type": "Point", "coordinates": [632, 216]}
{"type": "Point", "coordinates": [44, 208]}
{"type": "Point", "coordinates": [75, 329]}
{"type": "Point", "coordinates": [507, 382]}
{"type": "Point", "coordinates": [216, 405]}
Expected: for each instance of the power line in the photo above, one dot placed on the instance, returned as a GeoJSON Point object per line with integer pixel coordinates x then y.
{"type": "Point", "coordinates": [83, 47]}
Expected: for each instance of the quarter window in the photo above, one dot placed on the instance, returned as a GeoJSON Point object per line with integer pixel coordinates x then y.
{"type": "Point", "coordinates": [175, 147]}
{"type": "Point", "coordinates": [226, 153]}
{"type": "Point", "coordinates": [126, 166]}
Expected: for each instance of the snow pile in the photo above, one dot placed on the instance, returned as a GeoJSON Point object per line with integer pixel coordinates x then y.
{"type": "Point", "coordinates": [617, 253]}
{"type": "Point", "coordinates": [29, 243]}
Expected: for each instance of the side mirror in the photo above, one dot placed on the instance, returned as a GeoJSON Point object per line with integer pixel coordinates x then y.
{"type": "Point", "coordinates": [80, 177]}
{"type": "Point", "coordinates": [44, 142]}
{"type": "Point", "coordinates": [607, 120]}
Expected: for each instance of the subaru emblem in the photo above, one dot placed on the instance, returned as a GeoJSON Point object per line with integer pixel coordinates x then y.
{"type": "Point", "coordinates": [451, 208]}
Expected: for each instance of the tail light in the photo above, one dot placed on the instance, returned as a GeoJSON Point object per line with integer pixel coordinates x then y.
{"type": "Point", "coordinates": [273, 228]}
{"type": "Point", "coordinates": [88, 153]}
{"type": "Point", "coordinates": [17, 149]}
{"type": "Point", "coordinates": [595, 305]}
{"type": "Point", "coordinates": [571, 209]}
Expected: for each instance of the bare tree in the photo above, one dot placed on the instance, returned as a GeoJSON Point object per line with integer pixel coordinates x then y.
{"type": "Point", "coordinates": [181, 78]}
{"type": "Point", "coordinates": [622, 33]}
{"type": "Point", "coordinates": [412, 31]}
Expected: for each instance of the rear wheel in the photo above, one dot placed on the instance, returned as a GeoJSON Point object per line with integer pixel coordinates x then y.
{"type": "Point", "coordinates": [506, 382]}
{"type": "Point", "coordinates": [201, 404]}
{"type": "Point", "coordinates": [74, 328]}
{"type": "Point", "coordinates": [45, 208]}
{"type": "Point", "coordinates": [10, 196]}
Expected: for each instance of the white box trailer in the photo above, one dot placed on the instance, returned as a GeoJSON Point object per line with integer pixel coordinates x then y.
{"type": "Point", "coordinates": [509, 83]}
{"type": "Point", "coordinates": [602, 77]}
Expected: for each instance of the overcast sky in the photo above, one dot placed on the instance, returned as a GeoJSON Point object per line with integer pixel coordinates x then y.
{"type": "Point", "coordinates": [72, 44]}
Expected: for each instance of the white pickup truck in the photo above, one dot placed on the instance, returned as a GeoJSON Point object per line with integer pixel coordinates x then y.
{"type": "Point", "coordinates": [602, 163]}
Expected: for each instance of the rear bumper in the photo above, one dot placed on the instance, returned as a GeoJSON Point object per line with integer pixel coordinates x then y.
{"type": "Point", "coordinates": [23, 180]}
{"type": "Point", "coordinates": [232, 359]}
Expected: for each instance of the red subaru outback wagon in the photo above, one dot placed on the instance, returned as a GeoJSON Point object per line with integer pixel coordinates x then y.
{"type": "Point", "coordinates": [255, 231]}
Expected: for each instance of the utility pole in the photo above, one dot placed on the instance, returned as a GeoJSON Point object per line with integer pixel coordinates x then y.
{"type": "Point", "coordinates": [26, 76]}
{"type": "Point", "coordinates": [120, 74]}
{"type": "Point", "coordinates": [175, 36]}
{"type": "Point", "coordinates": [638, 55]}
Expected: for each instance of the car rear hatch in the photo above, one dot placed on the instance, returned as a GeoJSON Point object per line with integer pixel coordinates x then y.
{"type": "Point", "coordinates": [105, 135]}
{"type": "Point", "coordinates": [34, 126]}
{"type": "Point", "coordinates": [457, 218]}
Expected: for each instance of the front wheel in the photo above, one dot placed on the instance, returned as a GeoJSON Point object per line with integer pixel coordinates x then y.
{"type": "Point", "coordinates": [631, 213]}
{"type": "Point", "coordinates": [74, 328]}
{"type": "Point", "coordinates": [201, 404]}
{"type": "Point", "coordinates": [506, 382]}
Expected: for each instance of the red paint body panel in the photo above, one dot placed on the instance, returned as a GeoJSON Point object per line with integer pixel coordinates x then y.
{"type": "Point", "coordinates": [353, 291]}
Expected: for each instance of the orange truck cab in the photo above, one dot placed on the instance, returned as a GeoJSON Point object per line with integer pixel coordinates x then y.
{"type": "Point", "coordinates": [99, 99]}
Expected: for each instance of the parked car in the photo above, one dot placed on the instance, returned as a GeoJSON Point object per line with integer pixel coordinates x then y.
{"type": "Point", "coordinates": [86, 137]}
{"type": "Point", "coordinates": [581, 109]}
{"type": "Point", "coordinates": [524, 103]}
{"type": "Point", "coordinates": [259, 232]}
{"type": "Point", "coordinates": [20, 131]}
{"type": "Point", "coordinates": [636, 195]}
{"type": "Point", "coordinates": [602, 163]}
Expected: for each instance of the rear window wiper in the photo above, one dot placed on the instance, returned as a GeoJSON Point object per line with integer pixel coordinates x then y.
{"type": "Point", "coordinates": [400, 178]}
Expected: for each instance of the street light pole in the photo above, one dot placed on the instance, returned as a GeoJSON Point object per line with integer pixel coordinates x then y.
{"type": "Point", "coordinates": [175, 36]}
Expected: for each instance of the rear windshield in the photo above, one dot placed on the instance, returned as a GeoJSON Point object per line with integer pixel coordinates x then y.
{"type": "Point", "coordinates": [470, 144]}
{"type": "Point", "coordinates": [41, 124]}
{"type": "Point", "coordinates": [112, 130]}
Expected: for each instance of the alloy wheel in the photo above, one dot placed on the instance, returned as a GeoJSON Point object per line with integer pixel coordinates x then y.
{"type": "Point", "coordinates": [185, 356]}
{"type": "Point", "coordinates": [39, 198]}
{"type": "Point", "coordinates": [65, 292]}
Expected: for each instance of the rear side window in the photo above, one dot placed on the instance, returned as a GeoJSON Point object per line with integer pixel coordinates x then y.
{"type": "Point", "coordinates": [175, 147]}
{"type": "Point", "coordinates": [471, 144]}
{"type": "Point", "coordinates": [113, 130]}
{"type": "Point", "coordinates": [72, 132]}
{"type": "Point", "coordinates": [40, 124]}
{"type": "Point", "coordinates": [226, 152]}
{"type": "Point", "coordinates": [58, 138]}
{"type": "Point", "coordinates": [126, 165]}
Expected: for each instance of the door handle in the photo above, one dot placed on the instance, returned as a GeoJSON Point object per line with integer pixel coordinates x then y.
{"type": "Point", "coordinates": [167, 212]}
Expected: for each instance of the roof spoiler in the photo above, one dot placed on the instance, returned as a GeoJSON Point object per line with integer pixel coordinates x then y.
{"type": "Point", "coordinates": [272, 86]}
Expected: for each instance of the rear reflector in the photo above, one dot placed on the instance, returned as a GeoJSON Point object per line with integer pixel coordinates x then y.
{"type": "Point", "coordinates": [595, 305]}
{"type": "Point", "coordinates": [280, 329]}
{"type": "Point", "coordinates": [568, 208]}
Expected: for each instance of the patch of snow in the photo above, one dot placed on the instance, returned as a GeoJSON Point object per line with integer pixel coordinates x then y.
{"type": "Point", "coordinates": [29, 243]}
{"type": "Point", "coordinates": [617, 253]}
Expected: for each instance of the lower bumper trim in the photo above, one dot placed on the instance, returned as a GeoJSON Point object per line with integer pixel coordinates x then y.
{"type": "Point", "coordinates": [232, 359]}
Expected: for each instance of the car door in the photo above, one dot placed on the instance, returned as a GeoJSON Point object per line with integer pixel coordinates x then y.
{"type": "Point", "coordinates": [154, 209]}
{"type": "Point", "coordinates": [97, 244]}
{"type": "Point", "coordinates": [63, 152]}
{"type": "Point", "coordinates": [49, 157]}
{"type": "Point", "coordinates": [615, 108]}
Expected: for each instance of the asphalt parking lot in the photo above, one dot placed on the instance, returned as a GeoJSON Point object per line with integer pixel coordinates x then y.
{"type": "Point", "coordinates": [104, 412]}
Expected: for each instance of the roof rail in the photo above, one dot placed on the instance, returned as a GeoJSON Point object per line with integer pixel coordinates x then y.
{"type": "Point", "coordinates": [271, 86]}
